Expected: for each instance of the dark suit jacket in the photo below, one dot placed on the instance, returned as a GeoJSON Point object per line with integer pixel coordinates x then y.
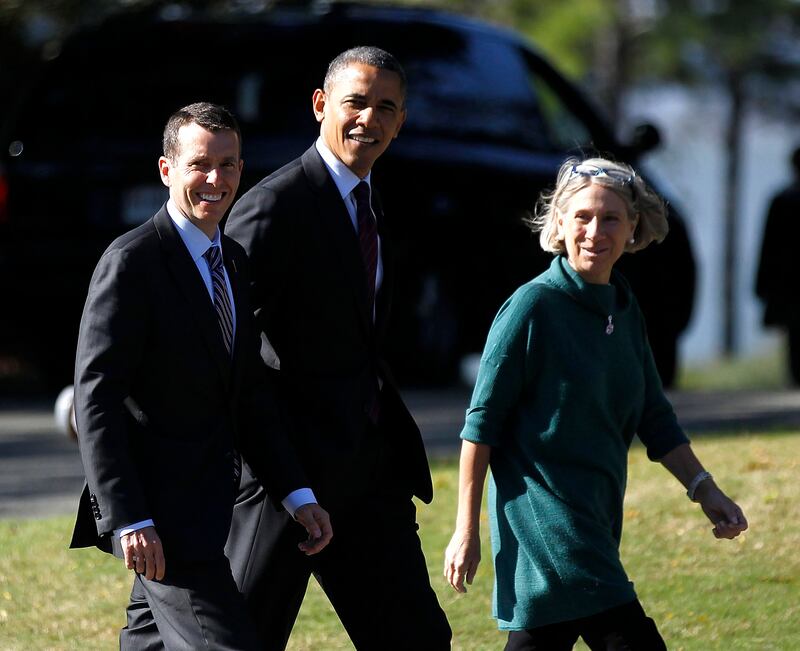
{"type": "Point", "coordinates": [309, 291]}
{"type": "Point", "coordinates": [149, 331]}
{"type": "Point", "coordinates": [775, 279]}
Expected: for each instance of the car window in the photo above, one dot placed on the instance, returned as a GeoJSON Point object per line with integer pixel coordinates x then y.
{"type": "Point", "coordinates": [472, 87]}
{"type": "Point", "coordinates": [465, 85]}
{"type": "Point", "coordinates": [113, 88]}
{"type": "Point", "coordinates": [565, 131]}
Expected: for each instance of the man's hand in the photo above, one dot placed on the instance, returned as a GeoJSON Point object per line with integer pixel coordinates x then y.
{"type": "Point", "coordinates": [317, 523]}
{"type": "Point", "coordinates": [143, 553]}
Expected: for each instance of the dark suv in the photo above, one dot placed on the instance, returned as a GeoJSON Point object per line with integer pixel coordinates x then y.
{"type": "Point", "coordinates": [489, 121]}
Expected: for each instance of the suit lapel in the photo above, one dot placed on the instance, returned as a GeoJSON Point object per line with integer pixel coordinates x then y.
{"type": "Point", "coordinates": [202, 315]}
{"type": "Point", "coordinates": [241, 308]}
{"type": "Point", "coordinates": [384, 296]}
{"type": "Point", "coordinates": [336, 224]}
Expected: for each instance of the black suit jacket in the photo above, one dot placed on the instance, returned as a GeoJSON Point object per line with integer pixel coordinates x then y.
{"type": "Point", "coordinates": [310, 297]}
{"type": "Point", "coordinates": [775, 279]}
{"type": "Point", "coordinates": [149, 331]}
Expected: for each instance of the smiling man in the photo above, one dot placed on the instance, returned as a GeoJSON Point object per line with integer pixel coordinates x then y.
{"type": "Point", "coordinates": [167, 376]}
{"type": "Point", "coordinates": [321, 262]}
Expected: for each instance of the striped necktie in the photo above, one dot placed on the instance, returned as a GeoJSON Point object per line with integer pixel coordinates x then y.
{"type": "Point", "coordinates": [222, 302]}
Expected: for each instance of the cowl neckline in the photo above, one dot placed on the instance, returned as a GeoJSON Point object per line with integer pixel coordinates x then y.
{"type": "Point", "coordinates": [615, 298]}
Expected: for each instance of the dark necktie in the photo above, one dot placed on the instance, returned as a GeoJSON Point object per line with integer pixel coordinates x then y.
{"type": "Point", "coordinates": [367, 238]}
{"type": "Point", "coordinates": [222, 302]}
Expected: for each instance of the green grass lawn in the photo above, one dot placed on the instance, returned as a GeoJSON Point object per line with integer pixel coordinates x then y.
{"type": "Point", "coordinates": [703, 593]}
{"type": "Point", "coordinates": [767, 370]}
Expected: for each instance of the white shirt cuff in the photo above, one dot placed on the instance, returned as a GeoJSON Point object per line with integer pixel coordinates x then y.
{"type": "Point", "coordinates": [298, 498]}
{"type": "Point", "coordinates": [122, 531]}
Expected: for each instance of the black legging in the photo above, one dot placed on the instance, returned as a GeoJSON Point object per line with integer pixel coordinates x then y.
{"type": "Point", "coordinates": [623, 628]}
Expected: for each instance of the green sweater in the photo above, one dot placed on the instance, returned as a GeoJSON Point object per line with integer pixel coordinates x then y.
{"type": "Point", "coordinates": [559, 400]}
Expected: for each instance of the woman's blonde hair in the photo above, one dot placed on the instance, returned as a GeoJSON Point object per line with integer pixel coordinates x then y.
{"type": "Point", "coordinates": [574, 175]}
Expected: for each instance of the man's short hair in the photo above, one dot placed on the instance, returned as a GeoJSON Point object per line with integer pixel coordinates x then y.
{"type": "Point", "coordinates": [211, 117]}
{"type": "Point", "coordinates": [367, 55]}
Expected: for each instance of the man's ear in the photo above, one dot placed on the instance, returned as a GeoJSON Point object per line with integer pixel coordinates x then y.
{"type": "Point", "coordinates": [403, 116]}
{"type": "Point", "coordinates": [163, 170]}
{"type": "Point", "coordinates": [318, 103]}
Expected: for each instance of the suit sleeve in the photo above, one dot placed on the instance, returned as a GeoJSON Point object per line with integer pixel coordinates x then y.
{"type": "Point", "coordinates": [110, 342]}
{"type": "Point", "coordinates": [264, 443]}
{"type": "Point", "coordinates": [256, 225]}
{"type": "Point", "coordinates": [770, 278]}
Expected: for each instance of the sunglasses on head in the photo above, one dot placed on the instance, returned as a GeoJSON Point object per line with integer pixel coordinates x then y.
{"type": "Point", "coordinates": [585, 169]}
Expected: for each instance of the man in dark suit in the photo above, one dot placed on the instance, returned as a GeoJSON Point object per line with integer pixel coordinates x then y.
{"type": "Point", "coordinates": [321, 278]}
{"type": "Point", "coordinates": [169, 391]}
{"type": "Point", "coordinates": [776, 275]}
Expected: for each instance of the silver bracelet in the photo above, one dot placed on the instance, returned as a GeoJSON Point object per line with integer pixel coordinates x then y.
{"type": "Point", "coordinates": [699, 478]}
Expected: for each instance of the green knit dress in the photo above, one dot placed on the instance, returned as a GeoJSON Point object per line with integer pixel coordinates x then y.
{"type": "Point", "coordinates": [565, 382]}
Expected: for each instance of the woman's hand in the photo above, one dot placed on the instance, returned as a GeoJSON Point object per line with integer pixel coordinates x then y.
{"type": "Point", "coordinates": [461, 559]}
{"type": "Point", "coordinates": [728, 518]}
{"type": "Point", "coordinates": [463, 554]}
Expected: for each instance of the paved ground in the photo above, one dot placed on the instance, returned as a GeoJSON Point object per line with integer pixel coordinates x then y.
{"type": "Point", "coordinates": [40, 470]}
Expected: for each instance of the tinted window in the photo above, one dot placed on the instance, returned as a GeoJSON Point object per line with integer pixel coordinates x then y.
{"type": "Point", "coordinates": [565, 131]}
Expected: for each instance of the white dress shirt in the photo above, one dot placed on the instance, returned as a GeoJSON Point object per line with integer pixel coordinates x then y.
{"type": "Point", "coordinates": [346, 181]}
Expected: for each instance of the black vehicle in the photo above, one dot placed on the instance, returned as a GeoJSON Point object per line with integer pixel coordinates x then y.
{"type": "Point", "coordinates": [489, 121]}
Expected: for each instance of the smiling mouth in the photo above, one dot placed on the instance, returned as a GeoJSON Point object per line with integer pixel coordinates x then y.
{"type": "Point", "coordinates": [211, 198]}
{"type": "Point", "coordinates": [363, 139]}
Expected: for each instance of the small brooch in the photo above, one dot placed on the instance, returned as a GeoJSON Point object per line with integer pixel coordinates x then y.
{"type": "Point", "coordinates": [610, 325]}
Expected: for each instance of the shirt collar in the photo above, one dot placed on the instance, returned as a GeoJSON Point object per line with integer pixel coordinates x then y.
{"type": "Point", "coordinates": [195, 240]}
{"type": "Point", "coordinates": [344, 178]}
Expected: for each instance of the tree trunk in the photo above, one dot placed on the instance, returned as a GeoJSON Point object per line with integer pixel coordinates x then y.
{"type": "Point", "coordinates": [733, 145]}
{"type": "Point", "coordinates": [611, 61]}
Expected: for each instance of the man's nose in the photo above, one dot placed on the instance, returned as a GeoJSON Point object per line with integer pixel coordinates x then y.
{"type": "Point", "coordinates": [213, 175]}
{"type": "Point", "coordinates": [365, 116]}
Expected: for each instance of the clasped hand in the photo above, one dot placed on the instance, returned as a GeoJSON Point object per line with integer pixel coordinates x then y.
{"type": "Point", "coordinates": [143, 553]}
{"type": "Point", "coordinates": [724, 513]}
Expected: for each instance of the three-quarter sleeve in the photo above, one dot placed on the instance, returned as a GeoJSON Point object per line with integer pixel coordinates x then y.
{"type": "Point", "coordinates": [504, 371]}
{"type": "Point", "coordinates": [658, 429]}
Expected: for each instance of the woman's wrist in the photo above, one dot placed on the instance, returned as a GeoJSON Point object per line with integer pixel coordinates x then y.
{"type": "Point", "coordinates": [700, 485]}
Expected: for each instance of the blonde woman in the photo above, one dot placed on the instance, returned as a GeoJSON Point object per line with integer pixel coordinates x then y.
{"type": "Point", "coordinates": [566, 380]}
